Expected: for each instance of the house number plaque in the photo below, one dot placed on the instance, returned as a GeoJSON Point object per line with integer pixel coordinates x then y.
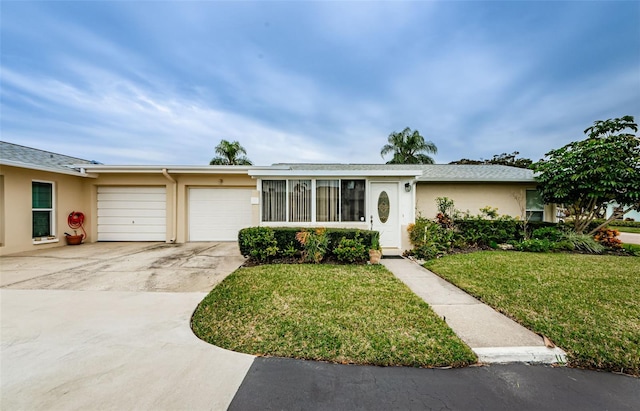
{"type": "Point", "coordinates": [383, 207]}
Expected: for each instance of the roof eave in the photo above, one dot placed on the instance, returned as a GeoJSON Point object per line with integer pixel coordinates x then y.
{"type": "Point", "coordinates": [172, 169]}
{"type": "Point", "coordinates": [72, 171]}
{"type": "Point", "coordinates": [474, 180]}
{"type": "Point", "coordinates": [334, 173]}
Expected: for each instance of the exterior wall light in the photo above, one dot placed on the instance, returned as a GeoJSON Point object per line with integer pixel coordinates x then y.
{"type": "Point", "coordinates": [407, 187]}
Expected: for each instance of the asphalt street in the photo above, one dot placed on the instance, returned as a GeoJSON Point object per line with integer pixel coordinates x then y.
{"type": "Point", "coordinates": [286, 384]}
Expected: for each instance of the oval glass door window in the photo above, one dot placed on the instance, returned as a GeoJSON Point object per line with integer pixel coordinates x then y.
{"type": "Point", "coordinates": [383, 207]}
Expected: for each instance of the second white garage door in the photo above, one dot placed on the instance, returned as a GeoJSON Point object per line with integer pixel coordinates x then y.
{"type": "Point", "coordinates": [217, 214]}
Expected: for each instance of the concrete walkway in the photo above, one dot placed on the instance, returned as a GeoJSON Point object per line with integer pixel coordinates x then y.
{"type": "Point", "coordinates": [492, 336]}
{"type": "Point", "coordinates": [629, 238]}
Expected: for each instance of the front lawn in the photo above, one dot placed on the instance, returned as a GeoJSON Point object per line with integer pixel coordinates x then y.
{"type": "Point", "coordinates": [588, 305]}
{"type": "Point", "coordinates": [338, 313]}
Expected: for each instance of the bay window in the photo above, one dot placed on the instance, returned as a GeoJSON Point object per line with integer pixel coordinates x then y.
{"type": "Point", "coordinates": [327, 200]}
{"type": "Point", "coordinates": [352, 200]}
{"type": "Point", "coordinates": [333, 200]}
{"type": "Point", "coordinates": [274, 203]}
{"type": "Point", "coordinates": [300, 200]}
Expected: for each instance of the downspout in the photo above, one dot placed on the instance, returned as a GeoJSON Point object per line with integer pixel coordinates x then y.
{"type": "Point", "coordinates": [175, 205]}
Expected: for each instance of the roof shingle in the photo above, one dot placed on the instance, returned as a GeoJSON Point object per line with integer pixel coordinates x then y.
{"type": "Point", "coordinates": [38, 158]}
{"type": "Point", "coordinates": [434, 172]}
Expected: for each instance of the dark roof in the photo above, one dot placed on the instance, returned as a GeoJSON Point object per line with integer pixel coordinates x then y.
{"type": "Point", "coordinates": [473, 172]}
{"type": "Point", "coordinates": [434, 172]}
{"type": "Point", "coordinates": [33, 158]}
{"type": "Point", "coordinates": [21, 156]}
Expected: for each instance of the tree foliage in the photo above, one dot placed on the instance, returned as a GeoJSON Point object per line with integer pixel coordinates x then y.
{"type": "Point", "coordinates": [408, 147]}
{"type": "Point", "coordinates": [230, 153]}
{"type": "Point", "coordinates": [500, 159]}
{"type": "Point", "coordinates": [585, 175]}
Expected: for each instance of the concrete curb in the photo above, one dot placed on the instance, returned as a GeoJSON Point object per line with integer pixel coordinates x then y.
{"type": "Point", "coordinates": [501, 355]}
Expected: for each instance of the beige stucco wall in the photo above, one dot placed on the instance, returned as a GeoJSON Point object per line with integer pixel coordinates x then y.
{"type": "Point", "coordinates": [71, 193]}
{"type": "Point", "coordinates": [75, 193]}
{"type": "Point", "coordinates": [509, 198]}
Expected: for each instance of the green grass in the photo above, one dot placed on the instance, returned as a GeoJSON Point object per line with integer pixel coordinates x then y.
{"type": "Point", "coordinates": [337, 313]}
{"type": "Point", "coordinates": [632, 248]}
{"type": "Point", "coordinates": [635, 230]}
{"type": "Point", "coordinates": [588, 305]}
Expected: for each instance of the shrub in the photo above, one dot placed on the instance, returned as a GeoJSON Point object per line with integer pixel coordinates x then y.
{"type": "Point", "coordinates": [564, 245]}
{"type": "Point", "coordinates": [429, 239]}
{"type": "Point", "coordinates": [632, 249]}
{"type": "Point", "coordinates": [534, 245]}
{"type": "Point", "coordinates": [351, 250]}
{"type": "Point", "coordinates": [489, 212]}
{"type": "Point", "coordinates": [619, 223]}
{"type": "Point", "coordinates": [583, 242]}
{"type": "Point", "coordinates": [446, 207]}
{"type": "Point", "coordinates": [287, 245]}
{"type": "Point", "coordinates": [258, 243]}
{"type": "Point", "coordinates": [477, 231]}
{"type": "Point", "coordinates": [290, 251]}
{"type": "Point", "coordinates": [547, 233]}
{"type": "Point", "coordinates": [315, 244]}
{"type": "Point", "coordinates": [446, 212]}
{"type": "Point", "coordinates": [286, 239]}
{"type": "Point", "coordinates": [608, 237]}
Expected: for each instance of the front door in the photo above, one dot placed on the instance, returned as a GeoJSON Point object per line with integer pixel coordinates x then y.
{"type": "Point", "coordinates": [384, 213]}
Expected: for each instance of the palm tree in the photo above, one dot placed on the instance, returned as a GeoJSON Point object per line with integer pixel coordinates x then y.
{"type": "Point", "coordinates": [409, 147]}
{"type": "Point", "coordinates": [230, 154]}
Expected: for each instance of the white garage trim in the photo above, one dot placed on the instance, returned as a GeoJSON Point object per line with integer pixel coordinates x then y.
{"type": "Point", "coordinates": [132, 213]}
{"type": "Point", "coordinates": [217, 214]}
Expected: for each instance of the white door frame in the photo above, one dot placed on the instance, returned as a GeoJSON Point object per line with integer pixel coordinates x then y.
{"type": "Point", "coordinates": [392, 239]}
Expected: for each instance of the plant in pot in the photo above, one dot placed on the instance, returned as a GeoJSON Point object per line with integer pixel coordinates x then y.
{"type": "Point", "coordinates": [73, 239]}
{"type": "Point", "coordinates": [375, 252]}
{"type": "Point", "coordinates": [75, 220]}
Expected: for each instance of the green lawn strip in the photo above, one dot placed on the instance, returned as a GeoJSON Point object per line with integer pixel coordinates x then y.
{"type": "Point", "coordinates": [588, 305]}
{"type": "Point", "coordinates": [635, 230]}
{"type": "Point", "coordinates": [337, 313]}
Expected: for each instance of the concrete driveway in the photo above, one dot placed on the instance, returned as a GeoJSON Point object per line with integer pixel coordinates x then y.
{"type": "Point", "coordinates": [106, 326]}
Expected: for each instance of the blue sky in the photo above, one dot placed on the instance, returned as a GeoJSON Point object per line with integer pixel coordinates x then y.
{"type": "Point", "coordinates": [162, 82]}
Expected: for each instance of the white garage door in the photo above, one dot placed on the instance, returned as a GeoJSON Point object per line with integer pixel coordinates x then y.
{"type": "Point", "coordinates": [132, 213]}
{"type": "Point", "coordinates": [217, 214]}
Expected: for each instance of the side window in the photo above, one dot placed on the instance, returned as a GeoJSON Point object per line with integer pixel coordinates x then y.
{"type": "Point", "coordinates": [535, 206]}
{"type": "Point", "coordinates": [42, 209]}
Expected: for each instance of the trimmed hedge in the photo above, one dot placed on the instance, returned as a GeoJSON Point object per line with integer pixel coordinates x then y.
{"type": "Point", "coordinates": [286, 244]}
{"type": "Point", "coordinates": [620, 223]}
{"type": "Point", "coordinates": [485, 232]}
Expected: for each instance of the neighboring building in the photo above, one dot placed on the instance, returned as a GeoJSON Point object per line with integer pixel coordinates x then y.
{"type": "Point", "coordinates": [179, 204]}
{"type": "Point", "coordinates": [633, 215]}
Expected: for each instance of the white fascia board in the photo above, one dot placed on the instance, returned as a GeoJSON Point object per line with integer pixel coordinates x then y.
{"type": "Point", "coordinates": [70, 172]}
{"type": "Point", "coordinates": [334, 173]}
{"type": "Point", "coordinates": [105, 169]}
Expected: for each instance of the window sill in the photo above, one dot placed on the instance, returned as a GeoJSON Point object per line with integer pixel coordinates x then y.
{"type": "Point", "coordinates": [45, 240]}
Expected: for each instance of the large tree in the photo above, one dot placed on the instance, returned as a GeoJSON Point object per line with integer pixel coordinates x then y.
{"type": "Point", "coordinates": [230, 153]}
{"type": "Point", "coordinates": [501, 159]}
{"type": "Point", "coordinates": [586, 175]}
{"type": "Point", "coordinates": [408, 147]}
